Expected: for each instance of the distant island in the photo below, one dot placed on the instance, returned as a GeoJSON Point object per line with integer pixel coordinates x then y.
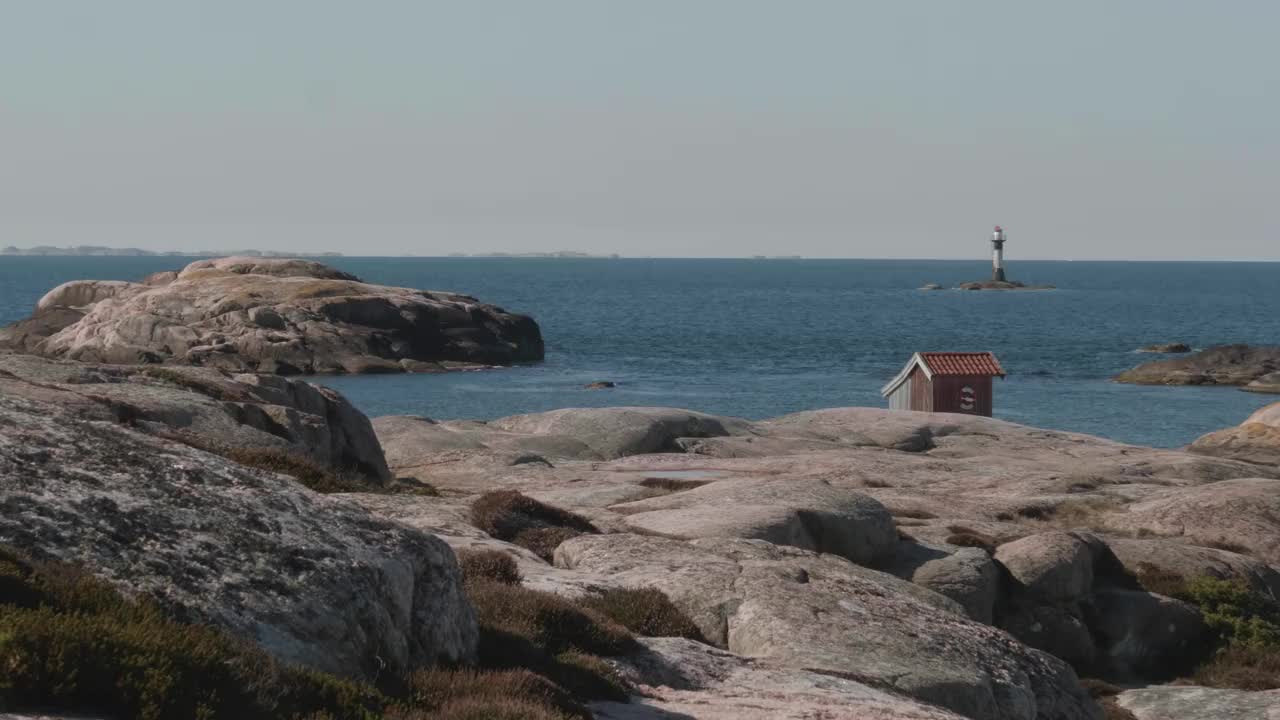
{"type": "Point", "coordinates": [554, 254]}
{"type": "Point", "coordinates": [101, 251]}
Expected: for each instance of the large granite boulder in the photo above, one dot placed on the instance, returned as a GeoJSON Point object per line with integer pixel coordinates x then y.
{"type": "Point", "coordinates": [622, 431]}
{"type": "Point", "coordinates": [1049, 567]}
{"type": "Point", "coordinates": [677, 679]}
{"type": "Point", "coordinates": [823, 613]}
{"type": "Point", "coordinates": [1188, 702]}
{"type": "Point", "coordinates": [1257, 439]}
{"type": "Point", "coordinates": [1238, 514]}
{"type": "Point", "coordinates": [272, 316]}
{"type": "Point", "coordinates": [809, 514]}
{"type": "Point", "coordinates": [1169, 558]}
{"type": "Point", "coordinates": [1220, 365]}
{"type": "Point", "coordinates": [311, 578]}
{"type": "Point", "coordinates": [965, 574]}
{"type": "Point", "coordinates": [209, 408]}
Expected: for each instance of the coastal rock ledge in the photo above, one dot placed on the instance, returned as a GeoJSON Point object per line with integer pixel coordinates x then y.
{"type": "Point", "coordinates": [279, 316]}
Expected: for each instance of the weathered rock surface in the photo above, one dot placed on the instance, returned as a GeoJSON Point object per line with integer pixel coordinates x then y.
{"type": "Point", "coordinates": [1050, 567]}
{"type": "Point", "coordinates": [967, 575]}
{"type": "Point", "coordinates": [271, 316]}
{"type": "Point", "coordinates": [312, 579]}
{"type": "Point", "coordinates": [822, 613]}
{"type": "Point", "coordinates": [1257, 439]}
{"type": "Point", "coordinates": [1170, 557]}
{"type": "Point", "coordinates": [1238, 513]}
{"type": "Point", "coordinates": [1220, 365]}
{"type": "Point", "coordinates": [1145, 635]}
{"type": "Point", "coordinates": [809, 514]}
{"type": "Point", "coordinates": [678, 679]}
{"type": "Point", "coordinates": [1199, 703]}
{"type": "Point", "coordinates": [207, 407]}
{"type": "Point", "coordinates": [1269, 383]}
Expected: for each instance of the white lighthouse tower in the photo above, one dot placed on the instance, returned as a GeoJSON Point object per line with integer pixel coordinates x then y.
{"type": "Point", "coordinates": [997, 255]}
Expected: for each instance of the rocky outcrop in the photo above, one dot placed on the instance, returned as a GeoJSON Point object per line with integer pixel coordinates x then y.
{"type": "Point", "coordinates": [1269, 383]}
{"type": "Point", "coordinates": [821, 613]}
{"type": "Point", "coordinates": [313, 579]}
{"type": "Point", "coordinates": [1238, 514]}
{"type": "Point", "coordinates": [743, 524]}
{"type": "Point", "coordinates": [1257, 439]}
{"type": "Point", "coordinates": [1001, 285]}
{"type": "Point", "coordinates": [1167, 348]}
{"type": "Point", "coordinates": [208, 408]}
{"type": "Point", "coordinates": [676, 678]}
{"type": "Point", "coordinates": [1200, 703]}
{"type": "Point", "coordinates": [271, 316]}
{"type": "Point", "coordinates": [1221, 365]}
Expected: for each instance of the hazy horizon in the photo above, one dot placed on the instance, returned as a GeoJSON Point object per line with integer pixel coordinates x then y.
{"type": "Point", "coordinates": [827, 129]}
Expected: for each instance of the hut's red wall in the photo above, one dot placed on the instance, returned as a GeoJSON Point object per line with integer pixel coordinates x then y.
{"type": "Point", "coordinates": [921, 391]}
{"type": "Point", "coordinates": [947, 390]}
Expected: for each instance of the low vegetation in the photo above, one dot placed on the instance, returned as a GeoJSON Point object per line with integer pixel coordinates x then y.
{"type": "Point", "coordinates": [1245, 649]}
{"type": "Point", "coordinates": [963, 536]}
{"type": "Point", "coordinates": [550, 635]}
{"type": "Point", "coordinates": [70, 643]}
{"type": "Point", "coordinates": [645, 611]}
{"type": "Point", "coordinates": [513, 517]}
{"type": "Point", "coordinates": [494, 565]}
{"type": "Point", "coordinates": [671, 485]}
{"type": "Point", "coordinates": [914, 514]}
{"type": "Point", "coordinates": [1105, 693]}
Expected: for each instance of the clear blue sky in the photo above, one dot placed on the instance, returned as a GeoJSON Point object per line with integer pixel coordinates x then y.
{"type": "Point", "coordinates": [1120, 129]}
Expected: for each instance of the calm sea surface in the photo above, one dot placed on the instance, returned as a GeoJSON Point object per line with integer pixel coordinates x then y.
{"type": "Point", "coordinates": [760, 338]}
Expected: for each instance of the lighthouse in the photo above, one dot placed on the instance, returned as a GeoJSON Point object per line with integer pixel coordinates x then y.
{"type": "Point", "coordinates": [997, 255]}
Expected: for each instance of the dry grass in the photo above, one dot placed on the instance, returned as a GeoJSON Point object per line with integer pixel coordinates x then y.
{"type": "Point", "coordinates": [549, 635]}
{"type": "Point", "coordinates": [1228, 545]}
{"type": "Point", "coordinates": [1105, 693]}
{"type": "Point", "coordinates": [875, 483]}
{"type": "Point", "coordinates": [494, 565]}
{"type": "Point", "coordinates": [298, 466]}
{"type": "Point", "coordinates": [666, 486]}
{"type": "Point", "coordinates": [194, 383]}
{"type": "Point", "coordinates": [464, 693]}
{"type": "Point", "coordinates": [1243, 667]}
{"type": "Point", "coordinates": [964, 536]}
{"type": "Point", "coordinates": [1090, 513]}
{"type": "Point", "coordinates": [1161, 582]}
{"type": "Point", "coordinates": [510, 516]}
{"type": "Point", "coordinates": [912, 513]}
{"type": "Point", "coordinates": [646, 611]}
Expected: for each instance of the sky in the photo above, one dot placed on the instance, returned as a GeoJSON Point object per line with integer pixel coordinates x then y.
{"type": "Point", "coordinates": [1133, 129]}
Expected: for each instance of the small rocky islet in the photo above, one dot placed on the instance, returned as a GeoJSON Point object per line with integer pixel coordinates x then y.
{"type": "Point", "coordinates": [843, 563]}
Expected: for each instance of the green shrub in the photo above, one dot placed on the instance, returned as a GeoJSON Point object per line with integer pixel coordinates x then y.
{"type": "Point", "coordinates": [647, 611]}
{"type": "Point", "coordinates": [1235, 612]}
{"type": "Point", "coordinates": [494, 565]}
{"type": "Point", "coordinates": [513, 517]}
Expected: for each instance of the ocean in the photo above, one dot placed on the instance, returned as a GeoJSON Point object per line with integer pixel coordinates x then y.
{"type": "Point", "coordinates": [761, 338]}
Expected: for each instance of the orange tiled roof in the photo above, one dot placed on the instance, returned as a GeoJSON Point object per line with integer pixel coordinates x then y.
{"type": "Point", "coordinates": [962, 363]}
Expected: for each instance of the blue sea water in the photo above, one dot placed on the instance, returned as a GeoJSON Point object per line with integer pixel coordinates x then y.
{"type": "Point", "coordinates": [760, 338]}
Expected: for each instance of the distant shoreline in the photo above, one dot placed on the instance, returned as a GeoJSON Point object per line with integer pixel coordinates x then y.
{"type": "Point", "coordinates": [97, 251]}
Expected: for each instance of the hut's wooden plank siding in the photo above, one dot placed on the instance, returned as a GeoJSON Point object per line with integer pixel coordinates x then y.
{"type": "Point", "coordinates": [922, 394]}
{"type": "Point", "coordinates": [948, 391]}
